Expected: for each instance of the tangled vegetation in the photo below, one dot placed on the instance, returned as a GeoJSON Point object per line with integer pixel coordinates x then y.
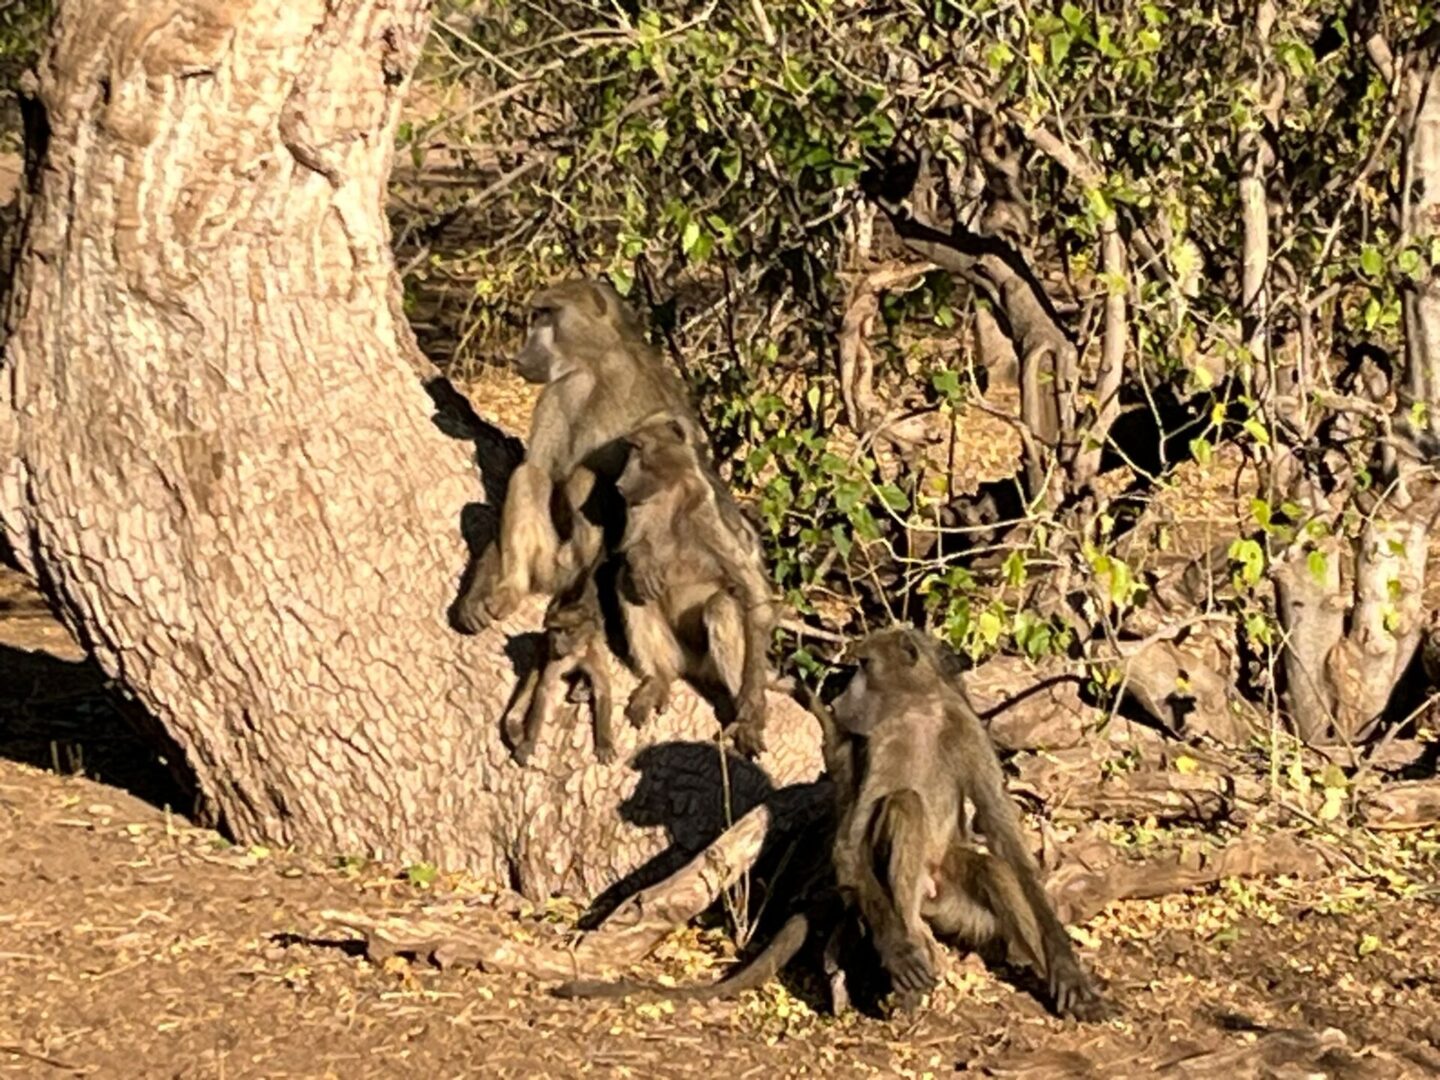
{"type": "Point", "coordinates": [977, 297]}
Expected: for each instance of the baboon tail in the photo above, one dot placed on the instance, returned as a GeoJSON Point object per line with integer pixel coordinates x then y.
{"type": "Point", "coordinates": [765, 966]}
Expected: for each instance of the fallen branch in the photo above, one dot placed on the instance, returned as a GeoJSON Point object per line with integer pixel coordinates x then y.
{"type": "Point", "coordinates": [630, 932]}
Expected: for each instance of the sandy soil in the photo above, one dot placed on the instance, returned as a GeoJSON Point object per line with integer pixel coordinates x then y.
{"type": "Point", "coordinates": [133, 944]}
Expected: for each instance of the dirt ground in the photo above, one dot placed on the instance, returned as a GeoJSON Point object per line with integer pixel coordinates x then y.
{"type": "Point", "coordinates": [133, 944]}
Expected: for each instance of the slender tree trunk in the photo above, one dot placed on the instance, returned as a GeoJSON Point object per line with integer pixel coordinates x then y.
{"type": "Point", "coordinates": [1353, 619]}
{"type": "Point", "coordinates": [220, 465]}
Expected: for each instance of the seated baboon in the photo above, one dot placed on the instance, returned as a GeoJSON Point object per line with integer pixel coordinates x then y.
{"type": "Point", "coordinates": [601, 379]}
{"type": "Point", "coordinates": [574, 649]}
{"type": "Point", "coordinates": [693, 588]}
{"type": "Point", "coordinates": [908, 755]}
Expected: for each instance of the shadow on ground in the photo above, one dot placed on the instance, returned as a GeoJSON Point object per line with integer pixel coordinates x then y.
{"type": "Point", "coordinates": [60, 714]}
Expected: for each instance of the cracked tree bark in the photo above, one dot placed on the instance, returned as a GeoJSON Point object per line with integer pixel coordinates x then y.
{"type": "Point", "coordinates": [217, 460]}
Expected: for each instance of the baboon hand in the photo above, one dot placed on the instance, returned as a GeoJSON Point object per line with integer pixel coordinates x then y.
{"type": "Point", "coordinates": [646, 582]}
{"type": "Point", "coordinates": [605, 751]}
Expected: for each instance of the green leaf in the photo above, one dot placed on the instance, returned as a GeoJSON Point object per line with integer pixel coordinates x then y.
{"type": "Point", "coordinates": [1372, 313]}
{"type": "Point", "coordinates": [998, 56]}
{"type": "Point", "coordinates": [1201, 450]}
{"type": "Point", "coordinates": [1014, 569]}
{"type": "Point", "coordinates": [1260, 511]}
{"type": "Point", "coordinates": [988, 627]}
{"type": "Point", "coordinates": [690, 237]}
{"type": "Point", "coordinates": [421, 874]}
{"type": "Point", "coordinates": [840, 537]}
{"type": "Point", "coordinates": [1371, 262]}
{"type": "Point", "coordinates": [1317, 564]}
{"type": "Point", "coordinates": [1251, 559]}
{"type": "Point", "coordinates": [1059, 47]}
{"type": "Point", "coordinates": [622, 279]}
{"type": "Point", "coordinates": [894, 498]}
{"type": "Point", "coordinates": [947, 384]}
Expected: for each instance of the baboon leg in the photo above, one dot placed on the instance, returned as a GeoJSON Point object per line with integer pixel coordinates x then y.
{"type": "Point", "coordinates": [657, 656]}
{"type": "Point", "coordinates": [587, 537]}
{"type": "Point", "coordinates": [547, 698]}
{"type": "Point", "coordinates": [528, 543]}
{"type": "Point", "coordinates": [517, 715]}
{"type": "Point", "coordinates": [603, 710]}
{"type": "Point", "coordinates": [728, 658]}
{"type": "Point", "coordinates": [895, 845]}
{"type": "Point", "coordinates": [836, 944]}
{"type": "Point", "coordinates": [978, 897]}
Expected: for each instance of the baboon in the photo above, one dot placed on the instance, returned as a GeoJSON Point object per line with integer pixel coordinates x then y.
{"type": "Point", "coordinates": [601, 379]}
{"type": "Point", "coordinates": [574, 649]}
{"type": "Point", "coordinates": [693, 587]}
{"type": "Point", "coordinates": [908, 756]}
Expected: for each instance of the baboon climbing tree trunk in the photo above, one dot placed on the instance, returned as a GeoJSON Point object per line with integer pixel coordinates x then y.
{"type": "Point", "coordinates": [221, 464]}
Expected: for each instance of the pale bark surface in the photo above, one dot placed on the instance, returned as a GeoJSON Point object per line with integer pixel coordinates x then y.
{"type": "Point", "coordinates": [220, 465]}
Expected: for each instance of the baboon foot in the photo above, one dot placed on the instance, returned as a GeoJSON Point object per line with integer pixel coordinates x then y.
{"type": "Point", "coordinates": [749, 738]}
{"type": "Point", "coordinates": [649, 697]}
{"type": "Point", "coordinates": [910, 970]}
{"type": "Point", "coordinates": [523, 751]}
{"type": "Point", "coordinates": [470, 616]}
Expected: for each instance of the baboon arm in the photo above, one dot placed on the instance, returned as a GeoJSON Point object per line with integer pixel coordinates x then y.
{"type": "Point", "coordinates": [998, 819]}
{"type": "Point", "coordinates": [550, 446]}
{"type": "Point", "coordinates": [755, 674]}
{"type": "Point", "coordinates": [890, 833]}
{"type": "Point", "coordinates": [837, 751]}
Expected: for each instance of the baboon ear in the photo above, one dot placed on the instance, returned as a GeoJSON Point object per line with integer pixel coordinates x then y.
{"type": "Point", "coordinates": [599, 296]}
{"type": "Point", "coordinates": [676, 430]}
{"type": "Point", "coordinates": [909, 649]}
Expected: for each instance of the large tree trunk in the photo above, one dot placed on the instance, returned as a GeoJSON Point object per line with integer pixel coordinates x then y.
{"type": "Point", "coordinates": [220, 464]}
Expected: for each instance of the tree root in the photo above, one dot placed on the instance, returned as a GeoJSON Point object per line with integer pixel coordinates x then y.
{"type": "Point", "coordinates": [626, 936]}
{"type": "Point", "coordinates": [1409, 805]}
{"type": "Point", "coordinates": [1078, 888]}
{"type": "Point", "coordinates": [1080, 892]}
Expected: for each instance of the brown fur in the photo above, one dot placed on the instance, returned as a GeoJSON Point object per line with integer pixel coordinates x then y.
{"type": "Point", "coordinates": [601, 379]}
{"type": "Point", "coordinates": [908, 755]}
{"type": "Point", "coordinates": [694, 591]}
{"type": "Point", "coordinates": [574, 646]}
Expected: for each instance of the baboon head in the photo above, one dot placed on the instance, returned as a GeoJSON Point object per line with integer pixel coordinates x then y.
{"type": "Point", "coordinates": [567, 625]}
{"type": "Point", "coordinates": [571, 322]}
{"type": "Point", "coordinates": [661, 457]}
{"type": "Point", "coordinates": [888, 660]}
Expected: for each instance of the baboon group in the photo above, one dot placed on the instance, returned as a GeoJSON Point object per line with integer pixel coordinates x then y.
{"type": "Point", "coordinates": [618, 497]}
